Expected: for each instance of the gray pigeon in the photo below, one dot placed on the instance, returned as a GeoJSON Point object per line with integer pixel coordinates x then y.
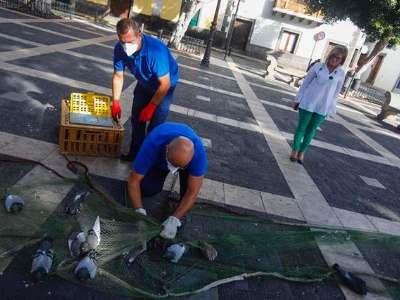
{"type": "Point", "coordinates": [43, 259]}
{"type": "Point", "coordinates": [93, 237]}
{"type": "Point", "coordinates": [175, 252]}
{"type": "Point", "coordinates": [87, 267]}
{"type": "Point", "coordinates": [75, 241]}
{"type": "Point", "coordinates": [75, 204]}
{"type": "Point", "coordinates": [14, 203]}
{"type": "Point", "coordinates": [207, 250]}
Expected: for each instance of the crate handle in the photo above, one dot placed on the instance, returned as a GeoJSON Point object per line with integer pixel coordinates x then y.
{"type": "Point", "coordinates": [92, 132]}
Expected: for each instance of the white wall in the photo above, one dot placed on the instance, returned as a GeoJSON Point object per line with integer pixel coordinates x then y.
{"type": "Point", "coordinates": [268, 28]}
{"type": "Point", "coordinates": [250, 8]}
{"type": "Point", "coordinates": [388, 72]}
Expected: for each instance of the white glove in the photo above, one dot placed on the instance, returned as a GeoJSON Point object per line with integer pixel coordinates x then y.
{"type": "Point", "coordinates": [170, 227]}
{"type": "Point", "coordinates": [141, 211]}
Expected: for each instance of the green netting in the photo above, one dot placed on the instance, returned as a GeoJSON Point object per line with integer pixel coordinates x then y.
{"type": "Point", "coordinates": [247, 246]}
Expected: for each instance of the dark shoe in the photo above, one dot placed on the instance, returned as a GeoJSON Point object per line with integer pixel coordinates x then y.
{"type": "Point", "coordinates": [293, 158]}
{"type": "Point", "coordinates": [300, 160]}
{"type": "Point", "coordinates": [127, 157]}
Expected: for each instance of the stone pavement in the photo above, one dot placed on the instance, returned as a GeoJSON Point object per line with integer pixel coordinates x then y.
{"type": "Point", "coordinates": [349, 178]}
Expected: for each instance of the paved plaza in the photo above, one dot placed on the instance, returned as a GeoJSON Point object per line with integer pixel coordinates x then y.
{"type": "Point", "coordinates": [350, 177]}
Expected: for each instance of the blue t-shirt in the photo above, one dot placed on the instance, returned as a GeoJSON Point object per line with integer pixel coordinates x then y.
{"type": "Point", "coordinates": [153, 150]}
{"type": "Point", "coordinates": [154, 60]}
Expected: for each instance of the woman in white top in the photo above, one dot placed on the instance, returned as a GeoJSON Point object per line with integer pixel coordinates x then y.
{"type": "Point", "coordinates": [317, 98]}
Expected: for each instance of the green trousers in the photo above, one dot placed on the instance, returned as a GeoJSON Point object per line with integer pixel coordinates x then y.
{"type": "Point", "coordinates": [308, 123]}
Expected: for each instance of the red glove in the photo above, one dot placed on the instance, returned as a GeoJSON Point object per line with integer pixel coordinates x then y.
{"type": "Point", "coordinates": [147, 112]}
{"type": "Point", "coordinates": [116, 110]}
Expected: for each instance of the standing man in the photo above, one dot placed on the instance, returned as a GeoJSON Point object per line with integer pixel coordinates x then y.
{"type": "Point", "coordinates": [170, 147]}
{"type": "Point", "coordinates": [156, 71]}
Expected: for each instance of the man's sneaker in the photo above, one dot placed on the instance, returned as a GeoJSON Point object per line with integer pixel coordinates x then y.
{"type": "Point", "coordinates": [127, 157]}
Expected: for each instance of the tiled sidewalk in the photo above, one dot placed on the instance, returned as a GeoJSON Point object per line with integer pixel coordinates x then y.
{"type": "Point", "coordinates": [350, 177]}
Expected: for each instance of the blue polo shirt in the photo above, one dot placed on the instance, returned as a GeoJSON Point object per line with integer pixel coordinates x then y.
{"type": "Point", "coordinates": [154, 60]}
{"type": "Point", "coordinates": [153, 150]}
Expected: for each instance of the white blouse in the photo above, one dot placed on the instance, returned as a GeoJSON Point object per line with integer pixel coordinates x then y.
{"type": "Point", "coordinates": [320, 89]}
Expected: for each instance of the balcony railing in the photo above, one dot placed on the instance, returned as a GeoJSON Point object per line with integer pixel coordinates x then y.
{"type": "Point", "coordinates": [297, 7]}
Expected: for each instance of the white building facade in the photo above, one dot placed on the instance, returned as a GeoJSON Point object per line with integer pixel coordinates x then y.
{"type": "Point", "coordinates": [384, 70]}
{"type": "Point", "coordinates": [283, 29]}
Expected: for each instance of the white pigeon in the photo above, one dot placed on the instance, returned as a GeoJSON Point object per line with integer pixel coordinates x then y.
{"type": "Point", "coordinates": [93, 237]}
{"type": "Point", "coordinates": [14, 203]}
{"type": "Point", "coordinates": [87, 267]}
{"type": "Point", "coordinates": [75, 242]}
{"type": "Point", "coordinates": [43, 259]}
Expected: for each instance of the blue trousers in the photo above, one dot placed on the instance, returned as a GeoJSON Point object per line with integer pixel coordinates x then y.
{"type": "Point", "coordinates": [141, 98]}
{"type": "Point", "coordinates": [308, 123]}
{"type": "Point", "coordinates": [153, 182]}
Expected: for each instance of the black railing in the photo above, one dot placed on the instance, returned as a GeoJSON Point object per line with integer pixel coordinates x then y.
{"type": "Point", "coordinates": [368, 92]}
{"type": "Point", "coordinates": [188, 44]}
{"type": "Point", "coordinates": [43, 8]}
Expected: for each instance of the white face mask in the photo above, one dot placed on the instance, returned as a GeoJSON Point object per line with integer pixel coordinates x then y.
{"type": "Point", "coordinates": [130, 48]}
{"type": "Point", "coordinates": [171, 168]}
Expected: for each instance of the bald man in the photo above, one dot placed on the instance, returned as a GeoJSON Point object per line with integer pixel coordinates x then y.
{"type": "Point", "coordinates": [168, 148]}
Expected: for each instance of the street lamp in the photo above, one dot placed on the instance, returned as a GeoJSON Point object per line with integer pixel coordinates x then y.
{"type": "Point", "coordinates": [206, 59]}
{"type": "Point", "coordinates": [231, 30]}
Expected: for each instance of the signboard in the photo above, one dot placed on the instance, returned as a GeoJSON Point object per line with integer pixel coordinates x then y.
{"type": "Point", "coordinates": [320, 36]}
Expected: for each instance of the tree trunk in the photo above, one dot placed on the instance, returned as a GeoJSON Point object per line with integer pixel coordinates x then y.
{"type": "Point", "coordinates": [379, 46]}
{"type": "Point", "coordinates": [188, 11]}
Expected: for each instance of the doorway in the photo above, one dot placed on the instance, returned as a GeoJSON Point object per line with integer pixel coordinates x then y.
{"type": "Point", "coordinates": [120, 8]}
{"type": "Point", "coordinates": [375, 69]}
{"type": "Point", "coordinates": [241, 33]}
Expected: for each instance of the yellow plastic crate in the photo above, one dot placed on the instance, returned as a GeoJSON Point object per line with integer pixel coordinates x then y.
{"type": "Point", "coordinates": [88, 140]}
{"type": "Point", "coordinates": [90, 103]}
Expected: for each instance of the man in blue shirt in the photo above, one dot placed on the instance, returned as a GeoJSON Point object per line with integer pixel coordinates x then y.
{"type": "Point", "coordinates": [170, 147]}
{"type": "Point", "coordinates": [156, 71]}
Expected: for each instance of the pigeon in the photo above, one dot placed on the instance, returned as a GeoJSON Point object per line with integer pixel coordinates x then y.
{"type": "Point", "coordinates": [93, 237]}
{"type": "Point", "coordinates": [87, 267]}
{"type": "Point", "coordinates": [175, 252]}
{"type": "Point", "coordinates": [43, 259]}
{"type": "Point", "coordinates": [133, 253]}
{"type": "Point", "coordinates": [14, 203]}
{"type": "Point", "coordinates": [354, 283]}
{"type": "Point", "coordinates": [75, 204]}
{"type": "Point", "coordinates": [207, 250]}
{"type": "Point", "coordinates": [75, 241]}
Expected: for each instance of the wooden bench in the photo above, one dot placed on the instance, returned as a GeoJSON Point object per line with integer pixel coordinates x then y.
{"type": "Point", "coordinates": [272, 69]}
{"type": "Point", "coordinates": [390, 107]}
